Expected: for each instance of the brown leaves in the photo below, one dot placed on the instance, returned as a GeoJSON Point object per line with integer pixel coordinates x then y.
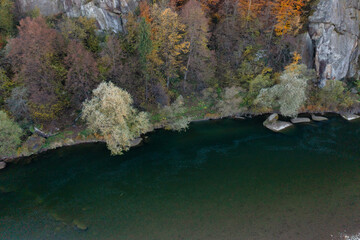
{"type": "Point", "coordinates": [83, 73]}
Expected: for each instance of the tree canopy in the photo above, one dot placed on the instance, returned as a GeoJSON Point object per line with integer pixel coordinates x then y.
{"type": "Point", "coordinates": [10, 134]}
{"type": "Point", "coordinates": [110, 113]}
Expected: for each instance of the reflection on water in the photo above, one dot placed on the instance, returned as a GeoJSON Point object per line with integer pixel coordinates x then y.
{"type": "Point", "coordinates": [227, 179]}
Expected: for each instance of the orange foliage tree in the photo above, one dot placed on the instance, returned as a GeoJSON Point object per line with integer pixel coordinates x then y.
{"type": "Point", "coordinates": [288, 15]}
{"type": "Point", "coordinates": [145, 11]}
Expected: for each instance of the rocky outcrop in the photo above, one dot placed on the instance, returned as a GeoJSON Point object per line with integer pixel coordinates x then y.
{"type": "Point", "coordinates": [109, 14]}
{"type": "Point", "coordinates": [334, 30]}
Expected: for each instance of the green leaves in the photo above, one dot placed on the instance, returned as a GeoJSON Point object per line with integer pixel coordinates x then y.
{"type": "Point", "coordinates": [10, 134]}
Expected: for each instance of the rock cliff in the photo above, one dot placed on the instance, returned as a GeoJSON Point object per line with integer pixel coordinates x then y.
{"type": "Point", "coordinates": [334, 30]}
{"type": "Point", "coordinates": [108, 13]}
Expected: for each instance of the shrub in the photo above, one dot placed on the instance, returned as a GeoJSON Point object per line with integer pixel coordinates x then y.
{"type": "Point", "coordinates": [263, 80]}
{"type": "Point", "coordinates": [230, 104]}
{"type": "Point", "coordinates": [174, 115]}
{"type": "Point", "coordinates": [334, 96]}
{"type": "Point", "coordinates": [290, 94]}
{"type": "Point", "coordinates": [10, 134]}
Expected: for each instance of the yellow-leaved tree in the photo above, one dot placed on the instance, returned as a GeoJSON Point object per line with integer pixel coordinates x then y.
{"type": "Point", "coordinates": [168, 43]}
{"type": "Point", "coordinates": [110, 113]}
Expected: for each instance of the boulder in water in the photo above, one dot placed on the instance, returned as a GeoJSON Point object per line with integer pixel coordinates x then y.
{"type": "Point", "coordinates": [239, 117]}
{"type": "Point", "coordinates": [273, 118]}
{"type": "Point", "coordinates": [318, 118]}
{"type": "Point", "coordinates": [273, 124]}
{"type": "Point", "coordinates": [80, 225]}
{"type": "Point", "coordinates": [300, 120]}
{"type": "Point", "coordinates": [350, 116]}
{"type": "Point", "coordinates": [136, 142]}
{"type": "Point", "coordinates": [2, 165]}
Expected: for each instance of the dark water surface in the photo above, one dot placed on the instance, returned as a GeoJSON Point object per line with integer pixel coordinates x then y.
{"type": "Point", "coordinates": [230, 179]}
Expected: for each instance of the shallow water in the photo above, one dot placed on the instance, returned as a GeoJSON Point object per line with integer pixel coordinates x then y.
{"type": "Point", "coordinates": [230, 179]}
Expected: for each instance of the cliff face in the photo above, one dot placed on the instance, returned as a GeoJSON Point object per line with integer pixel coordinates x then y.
{"type": "Point", "coordinates": [334, 31]}
{"type": "Point", "coordinates": [108, 13]}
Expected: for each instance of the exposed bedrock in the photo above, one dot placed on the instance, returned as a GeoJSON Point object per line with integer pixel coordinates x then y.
{"type": "Point", "coordinates": [108, 13]}
{"type": "Point", "coordinates": [334, 31]}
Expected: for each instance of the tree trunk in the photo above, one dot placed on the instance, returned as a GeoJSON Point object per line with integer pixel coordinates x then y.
{"type": "Point", "coordinates": [187, 70]}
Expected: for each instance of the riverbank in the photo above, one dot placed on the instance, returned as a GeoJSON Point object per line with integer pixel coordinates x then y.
{"type": "Point", "coordinates": [84, 137]}
{"type": "Point", "coordinates": [226, 179]}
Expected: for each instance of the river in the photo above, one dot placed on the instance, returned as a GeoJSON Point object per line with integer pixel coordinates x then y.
{"type": "Point", "coordinates": [220, 180]}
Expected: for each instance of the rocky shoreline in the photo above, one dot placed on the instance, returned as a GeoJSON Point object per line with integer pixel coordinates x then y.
{"type": "Point", "coordinates": [272, 122]}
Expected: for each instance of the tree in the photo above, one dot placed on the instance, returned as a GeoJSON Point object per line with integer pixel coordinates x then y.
{"type": "Point", "coordinates": [10, 134]}
{"type": "Point", "coordinates": [17, 103]}
{"type": "Point", "coordinates": [144, 49]}
{"type": "Point", "coordinates": [82, 76]}
{"type": "Point", "coordinates": [6, 85]}
{"type": "Point", "coordinates": [81, 29]}
{"type": "Point", "coordinates": [287, 14]}
{"type": "Point", "coordinates": [168, 42]}
{"type": "Point", "coordinates": [6, 20]}
{"type": "Point", "coordinates": [199, 56]}
{"type": "Point", "coordinates": [290, 94]}
{"type": "Point", "coordinates": [111, 63]}
{"type": "Point", "coordinates": [121, 68]}
{"type": "Point", "coordinates": [36, 59]}
{"type": "Point", "coordinates": [250, 9]}
{"type": "Point", "coordinates": [110, 113]}
{"type": "Point", "coordinates": [145, 11]}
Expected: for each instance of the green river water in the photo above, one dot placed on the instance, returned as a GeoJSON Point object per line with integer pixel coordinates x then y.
{"type": "Point", "coordinates": [221, 180]}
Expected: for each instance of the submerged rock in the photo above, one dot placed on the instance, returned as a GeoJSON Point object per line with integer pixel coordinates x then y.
{"type": "Point", "coordinates": [273, 124]}
{"type": "Point", "coordinates": [80, 225]}
{"type": "Point", "coordinates": [300, 120]}
{"type": "Point", "coordinates": [2, 165]}
{"type": "Point", "coordinates": [136, 142]}
{"type": "Point", "coordinates": [350, 116]}
{"type": "Point", "coordinates": [318, 118]}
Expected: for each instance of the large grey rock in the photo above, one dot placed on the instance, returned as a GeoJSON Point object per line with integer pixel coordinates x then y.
{"type": "Point", "coordinates": [273, 124]}
{"type": "Point", "coordinates": [277, 126]}
{"type": "Point", "coordinates": [300, 120]}
{"type": "Point", "coordinates": [2, 165]}
{"type": "Point", "coordinates": [334, 29]}
{"type": "Point", "coordinates": [318, 118]}
{"type": "Point", "coordinates": [109, 14]}
{"type": "Point", "coordinates": [273, 118]}
{"type": "Point", "coordinates": [350, 116]}
{"type": "Point", "coordinates": [136, 142]}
